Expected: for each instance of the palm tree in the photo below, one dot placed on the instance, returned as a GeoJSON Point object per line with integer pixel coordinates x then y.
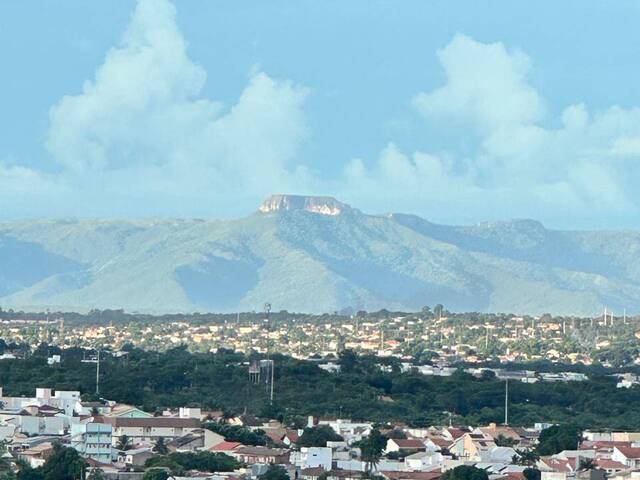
{"type": "Point", "coordinates": [124, 443]}
{"type": "Point", "coordinates": [96, 474]}
{"type": "Point", "coordinates": [227, 415]}
{"type": "Point", "coordinates": [371, 449]}
{"type": "Point", "coordinates": [587, 464]}
{"type": "Point", "coordinates": [160, 447]}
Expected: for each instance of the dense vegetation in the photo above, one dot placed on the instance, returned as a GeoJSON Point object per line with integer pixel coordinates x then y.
{"type": "Point", "coordinates": [180, 462]}
{"type": "Point", "coordinates": [362, 390]}
{"type": "Point", "coordinates": [557, 438]}
{"type": "Point", "coordinates": [318, 436]}
{"type": "Point", "coordinates": [465, 472]}
{"type": "Point", "coordinates": [63, 464]}
{"type": "Point", "coordinates": [234, 433]}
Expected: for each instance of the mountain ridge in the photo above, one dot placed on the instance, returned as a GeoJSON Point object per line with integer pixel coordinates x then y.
{"type": "Point", "coordinates": [316, 254]}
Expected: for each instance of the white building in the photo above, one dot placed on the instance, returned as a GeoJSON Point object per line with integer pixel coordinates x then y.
{"type": "Point", "coordinates": [313, 457]}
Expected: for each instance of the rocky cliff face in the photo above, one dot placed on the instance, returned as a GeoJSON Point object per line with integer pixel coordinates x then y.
{"type": "Point", "coordinates": [313, 204]}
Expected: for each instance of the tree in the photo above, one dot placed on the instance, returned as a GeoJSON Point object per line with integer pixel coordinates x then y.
{"type": "Point", "coordinates": [26, 472]}
{"type": "Point", "coordinates": [371, 448]}
{"type": "Point", "coordinates": [318, 436]}
{"type": "Point", "coordinates": [504, 441]}
{"type": "Point", "coordinates": [5, 465]}
{"type": "Point", "coordinates": [178, 462]}
{"type": "Point", "coordinates": [348, 360]}
{"type": "Point", "coordinates": [587, 464]}
{"type": "Point", "coordinates": [155, 474]}
{"type": "Point", "coordinates": [64, 464]}
{"type": "Point", "coordinates": [531, 473]}
{"type": "Point", "coordinates": [96, 474]}
{"type": "Point", "coordinates": [465, 472]}
{"type": "Point", "coordinates": [234, 433]}
{"type": "Point", "coordinates": [226, 417]}
{"type": "Point", "coordinates": [274, 472]}
{"type": "Point", "coordinates": [160, 447]}
{"type": "Point", "coordinates": [557, 438]}
{"type": "Point", "coordinates": [124, 443]}
{"type": "Point", "coordinates": [396, 433]}
{"type": "Point", "coordinates": [525, 457]}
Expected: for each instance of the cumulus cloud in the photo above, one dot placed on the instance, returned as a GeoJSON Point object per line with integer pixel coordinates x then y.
{"type": "Point", "coordinates": [524, 162]}
{"type": "Point", "coordinates": [486, 84]}
{"type": "Point", "coordinates": [142, 134]}
{"type": "Point", "coordinates": [143, 121]}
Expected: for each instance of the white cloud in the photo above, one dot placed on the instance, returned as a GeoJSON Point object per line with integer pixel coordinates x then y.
{"type": "Point", "coordinates": [143, 122]}
{"type": "Point", "coordinates": [142, 135]}
{"type": "Point", "coordinates": [523, 164]}
{"type": "Point", "coordinates": [486, 84]}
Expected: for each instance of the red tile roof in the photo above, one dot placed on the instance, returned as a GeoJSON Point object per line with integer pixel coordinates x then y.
{"type": "Point", "coordinates": [608, 464]}
{"type": "Point", "coordinates": [629, 452]}
{"type": "Point", "coordinates": [225, 446]}
{"type": "Point", "coordinates": [559, 464]}
{"type": "Point", "coordinates": [412, 475]}
{"type": "Point", "coordinates": [408, 443]}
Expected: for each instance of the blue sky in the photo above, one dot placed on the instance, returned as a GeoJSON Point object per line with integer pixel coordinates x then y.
{"type": "Point", "coordinates": [457, 111]}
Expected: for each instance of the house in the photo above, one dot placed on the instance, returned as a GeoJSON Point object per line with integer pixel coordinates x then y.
{"type": "Point", "coordinates": [252, 455]}
{"type": "Point", "coordinates": [313, 457]}
{"type": "Point", "coordinates": [498, 455]}
{"type": "Point", "coordinates": [610, 466]}
{"type": "Point", "coordinates": [555, 464]}
{"type": "Point", "coordinates": [410, 475]}
{"type": "Point", "coordinates": [36, 455]}
{"type": "Point", "coordinates": [149, 429]}
{"type": "Point", "coordinates": [38, 420]}
{"type": "Point", "coordinates": [423, 461]}
{"type": "Point", "coordinates": [350, 431]}
{"type": "Point", "coordinates": [629, 456]}
{"type": "Point", "coordinates": [603, 448]}
{"type": "Point", "coordinates": [405, 445]}
{"type": "Point", "coordinates": [225, 447]}
{"type": "Point", "coordinates": [92, 408]}
{"type": "Point", "coordinates": [61, 399]}
{"type": "Point", "coordinates": [519, 436]}
{"type": "Point", "coordinates": [136, 457]}
{"type": "Point", "coordinates": [311, 473]}
{"type": "Point", "coordinates": [290, 437]}
{"type": "Point", "coordinates": [127, 411]}
{"type": "Point", "coordinates": [437, 444]}
{"type": "Point", "coordinates": [472, 446]}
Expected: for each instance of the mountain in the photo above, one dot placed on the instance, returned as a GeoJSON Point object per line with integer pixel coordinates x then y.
{"type": "Point", "coordinates": [316, 254]}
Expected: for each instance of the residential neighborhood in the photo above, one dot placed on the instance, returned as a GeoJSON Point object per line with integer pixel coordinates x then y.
{"type": "Point", "coordinates": [122, 441]}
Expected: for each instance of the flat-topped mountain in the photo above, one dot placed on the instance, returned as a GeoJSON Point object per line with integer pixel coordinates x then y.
{"type": "Point", "coordinates": [316, 254]}
{"type": "Point", "coordinates": [313, 204]}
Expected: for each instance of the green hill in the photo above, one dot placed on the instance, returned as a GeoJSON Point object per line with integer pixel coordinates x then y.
{"type": "Point", "coordinates": [315, 254]}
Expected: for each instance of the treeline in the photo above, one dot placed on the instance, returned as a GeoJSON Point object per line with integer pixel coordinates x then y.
{"type": "Point", "coordinates": [361, 390]}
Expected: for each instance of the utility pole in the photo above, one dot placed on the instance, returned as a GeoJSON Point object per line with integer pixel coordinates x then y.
{"type": "Point", "coordinates": [506, 402]}
{"type": "Point", "coordinates": [98, 374]}
{"type": "Point", "coordinates": [486, 338]}
{"type": "Point", "coordinates": [272, 378]}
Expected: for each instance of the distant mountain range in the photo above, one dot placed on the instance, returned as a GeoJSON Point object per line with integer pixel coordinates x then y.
{"type": "Point", "coordinates": [316, 254]}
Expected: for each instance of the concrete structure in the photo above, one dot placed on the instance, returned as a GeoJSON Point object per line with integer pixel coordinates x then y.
{"type": "Point", "coordinates": [93, 440]}
{"type": "Point", "coordinates": [313, 457]}
{"type": "Point", "coordinates": [149, 428]}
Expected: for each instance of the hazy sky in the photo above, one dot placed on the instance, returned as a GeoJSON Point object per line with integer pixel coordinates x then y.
{"type": "Point", "coordinates": [457, 111]}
